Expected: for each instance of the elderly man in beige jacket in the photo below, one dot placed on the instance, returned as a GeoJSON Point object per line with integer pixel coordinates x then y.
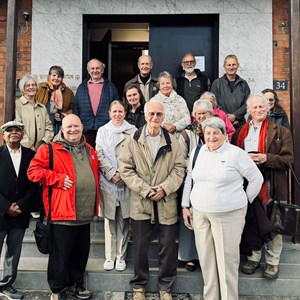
{"type": "Point", "coordinates": [152, 166]}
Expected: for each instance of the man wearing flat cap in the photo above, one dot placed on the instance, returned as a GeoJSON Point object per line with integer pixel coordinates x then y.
{"type": "Point", "coordinates": [17, 195]}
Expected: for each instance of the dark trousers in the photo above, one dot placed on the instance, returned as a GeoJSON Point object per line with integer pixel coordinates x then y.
{"type": "Point", "coordinates": [14, 240]}
{"type": "Point", "coordinates": [142, 232]}
{"type": "Point", "coordinates": [69, 256]}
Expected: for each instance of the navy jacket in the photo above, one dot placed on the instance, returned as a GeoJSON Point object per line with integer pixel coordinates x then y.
{"type": "Point", "coordinates": [83, 109]}
{"type": "Point", "coordinates": [15, 188]}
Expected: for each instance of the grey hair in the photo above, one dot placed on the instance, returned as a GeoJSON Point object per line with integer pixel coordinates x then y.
{"type": "Point", "coordinates": [214, 122]}
{"type": "Point", "coordinates": [204, 105]}
{"type": "Point", "coordinates": [233, 56]}
{"type": "Point", "coordinates": [23, 81]}
{"type": "Point", "coordinates": [145, 55]}
{"type": "Point", "coordinates": [147, 104]}
{"type": "Point", "coordinates": [259, 96]}
{"type": "Point", "coordinates": [94, 59]}
{"type": "Point", "coordinates": [206, 95]}
{"type": "Point", "coordinates": [165, 74]}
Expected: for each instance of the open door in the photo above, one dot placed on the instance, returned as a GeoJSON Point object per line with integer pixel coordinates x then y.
{"type": "Point", "coordinates": [103, 51]}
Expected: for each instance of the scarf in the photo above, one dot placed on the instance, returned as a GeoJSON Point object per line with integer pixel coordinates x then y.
{"type": "Point", "coordinates": [56, 94]}
{"type": "Point", "coordinates": [262, 148]}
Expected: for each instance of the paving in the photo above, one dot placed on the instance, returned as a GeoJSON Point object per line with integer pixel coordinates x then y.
{"type": "Point", "coordinates": [106, 295]}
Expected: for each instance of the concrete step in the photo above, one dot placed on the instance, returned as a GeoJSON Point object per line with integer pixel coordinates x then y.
{"type": "Point", "coordinates": [33, 266]}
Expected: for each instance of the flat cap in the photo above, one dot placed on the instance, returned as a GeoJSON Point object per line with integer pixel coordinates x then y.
{"type": "Point", "coordinates": [9, 124]}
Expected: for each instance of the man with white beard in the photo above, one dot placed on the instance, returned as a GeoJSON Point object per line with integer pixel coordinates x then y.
{"type": "Point", "coordinates": [192, 83]}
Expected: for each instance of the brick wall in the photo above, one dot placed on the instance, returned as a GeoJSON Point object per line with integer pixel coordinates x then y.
{"type": "Point", "coordinates": [23, 46]}
{"type": "Point", "coordinates": [281, 49]}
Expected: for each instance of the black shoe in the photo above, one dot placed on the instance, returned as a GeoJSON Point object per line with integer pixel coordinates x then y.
{"type": "Point", "coordinates": [11, 293]}
{"type": "Point", "coordinates": [59, 296]}
{"type": "Point", "coordinates": [191, 266]}
{"type": "Point", "coordinates": [79, 291]}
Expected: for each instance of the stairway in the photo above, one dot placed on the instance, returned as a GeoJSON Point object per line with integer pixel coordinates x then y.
{"type": "Point", "coordinates": [33, 265]}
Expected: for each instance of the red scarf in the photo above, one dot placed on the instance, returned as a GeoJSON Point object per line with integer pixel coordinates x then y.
{"type": "Point", "coordinates": [262, 145]}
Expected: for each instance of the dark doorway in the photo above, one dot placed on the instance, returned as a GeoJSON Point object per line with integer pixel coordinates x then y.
{"type": "Point", "coordinates": [124, 62]}
{"type": "Point", "coordinates": [170, 36]}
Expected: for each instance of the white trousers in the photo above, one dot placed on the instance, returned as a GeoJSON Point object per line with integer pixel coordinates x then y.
{"type": "Point", "coordinates": [116, 236]}
{"type": "Point", "coordinates": [218, 237]}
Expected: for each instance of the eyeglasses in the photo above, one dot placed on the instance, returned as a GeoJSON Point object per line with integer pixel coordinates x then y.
{"type": "Point", "coordinates": [158, 114]}
{"type": "Point", "coordinates": [30, 85]}
{"type": "Point", "coordinates": [271, 99]}
{"type": "Point", "coordinates": [188, 62]}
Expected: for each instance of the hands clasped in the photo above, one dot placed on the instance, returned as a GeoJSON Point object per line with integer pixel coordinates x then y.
{"type": "Point", "coordinates": [14, 210]}
{"type": "Point", "coordinates": [156, 193]}
{"type": "Point", "coordinates": [117, 180]}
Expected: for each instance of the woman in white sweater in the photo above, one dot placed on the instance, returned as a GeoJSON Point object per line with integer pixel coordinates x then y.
{"type": "Point", "coordinates": [219, 205]}
{"type": "Point", "coordinates": [177, 115]}
{"type": "Point", "coordinates": [110, 143]}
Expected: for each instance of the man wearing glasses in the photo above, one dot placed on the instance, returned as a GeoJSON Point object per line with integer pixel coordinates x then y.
{"type": "Point", "coordinates": [192, 83]}
{"type": "Point", "coordinates": [153, 167]}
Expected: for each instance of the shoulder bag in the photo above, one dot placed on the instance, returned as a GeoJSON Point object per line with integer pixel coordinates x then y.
{"type": "Point", "coordinates": [286, 217]}
{"type": "Point", "coordinates": [42, 232]}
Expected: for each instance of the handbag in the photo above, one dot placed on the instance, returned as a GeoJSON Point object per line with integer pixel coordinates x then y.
{"type": "Point", "coordinates": [286, 217]}
{"type": "Point", "coordinates": [42, 232]}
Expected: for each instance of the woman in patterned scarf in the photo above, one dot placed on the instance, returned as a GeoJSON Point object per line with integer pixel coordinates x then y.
{"type": "Point", "coordinates": [56, 96]}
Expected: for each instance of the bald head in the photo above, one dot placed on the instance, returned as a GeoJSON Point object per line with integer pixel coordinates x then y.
{"type": "Point", "coordinates": [72, 129]}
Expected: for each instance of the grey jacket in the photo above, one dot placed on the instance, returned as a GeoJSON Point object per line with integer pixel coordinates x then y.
{"type": "Point", "coordinates": [231, 101]}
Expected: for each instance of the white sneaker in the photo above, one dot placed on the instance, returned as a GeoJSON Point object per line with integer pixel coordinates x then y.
{"type": "Point", "coordinates": [108, 265]}
{"type": "Point", "coordinates": [120, 265]}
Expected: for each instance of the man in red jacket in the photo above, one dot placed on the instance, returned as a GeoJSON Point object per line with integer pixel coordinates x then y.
{"type": "Point", "coordinates": [74, 202]}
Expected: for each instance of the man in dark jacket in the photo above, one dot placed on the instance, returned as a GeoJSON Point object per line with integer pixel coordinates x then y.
{"type": "Point", "coordinates": [17, 195]}
{"type": "Point", "coordinates": [192, 83]}
{"type": "Point", "coordinates": [232, 92]}
{"type": "Point", "coordinates": [146, 81]}
{"type": "Point", "coordinates": [92, 100]}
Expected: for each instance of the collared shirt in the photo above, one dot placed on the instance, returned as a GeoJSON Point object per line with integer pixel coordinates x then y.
{"type": "Point", "coordinates": [15, 158]}
{"type": "Point", "coordinates": [95, 92]}
{"type": "Point", "coordinates": [252, 139]}
{"type": "Point", "coordinates": [153, 142]}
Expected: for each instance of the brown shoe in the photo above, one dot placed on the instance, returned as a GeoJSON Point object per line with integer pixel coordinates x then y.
{"type": "Point", "coordinates": [250, 267]}
{"type": "Point", "coordinates": [271, 272]}
{"type": "Point", "coordinates": [138, 294]}
{"type": "Point", "coordinates": [165, 295]}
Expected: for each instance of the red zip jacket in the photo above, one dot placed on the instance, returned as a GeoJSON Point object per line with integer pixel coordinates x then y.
{"type": "Point", "coordinates": [63, 201]}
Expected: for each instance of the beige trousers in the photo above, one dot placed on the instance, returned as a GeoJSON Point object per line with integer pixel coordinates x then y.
{"type": "Point", "coordinates": [116, 236]}
{"type": "Point", "coordinates": [272, 251]}
{"type": "Point", "coordinates": [218, 237]}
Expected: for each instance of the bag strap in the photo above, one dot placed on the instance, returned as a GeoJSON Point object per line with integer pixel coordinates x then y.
{"type": "Point", "coordinates": [50, 148]}
{"type": "Point", "coordinates": [293, 173]}
{"type": "Point", "coordinates": [196, 155]}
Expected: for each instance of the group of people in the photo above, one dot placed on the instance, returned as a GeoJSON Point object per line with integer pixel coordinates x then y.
{"type": "Point", "coordinates": [167, 144]}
